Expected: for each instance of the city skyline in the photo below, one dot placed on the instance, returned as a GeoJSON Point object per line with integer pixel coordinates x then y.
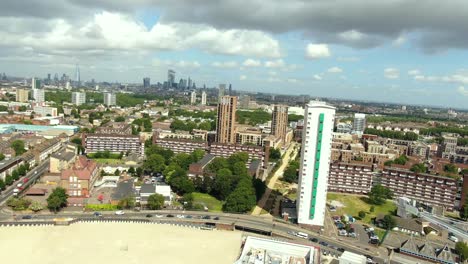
{"type": "Point", "coordinates": [416, 61]}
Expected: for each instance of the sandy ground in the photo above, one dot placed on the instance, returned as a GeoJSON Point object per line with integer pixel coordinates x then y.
{"type": "Point", "coordinates": [117, 243]}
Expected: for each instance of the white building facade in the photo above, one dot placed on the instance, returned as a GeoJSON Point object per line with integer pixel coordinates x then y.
{"type": "Point", "coordinates": [203, 98]}
{"type": "Point", "coordinates": [193, 97]}
{"type": "Point", "coordinates": [359, 124]}
{"type": "Point", "coordinates": [38, 95]}
{"type": "Point", "coordinates": [45, 111]}
{"type": "Point", "coordinates": [110, 99]}
{"type": "Point", "coordinates": [315, 163]}
{"type": "Point", "coordinates": [78, 98]}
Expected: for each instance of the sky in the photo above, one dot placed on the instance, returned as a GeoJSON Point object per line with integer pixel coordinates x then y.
{"type": "Point", "coordinates": [402, 51]}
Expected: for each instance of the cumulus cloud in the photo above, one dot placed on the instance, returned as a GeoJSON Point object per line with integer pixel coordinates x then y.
{"type": "Point", "coordinates": [459, 77]}
{"type": "Point", "coordinates": [275, 64]}
{"type": "Point", "coordinates": [335, 70]}
{"type": "Point", "coordinates": [414, 72]}
{"type": "Point", "coordinates": [176, 64]}
{"type": "Point", "coordinates": [242, 77]}
{"type": "Point", "coordinates": [252, 63]}
{"type": "Point", "coordinates": [317, 51]}
{"type": "Point", "coordinates": [225, 64]}
{"type": "Point", "coordinates": [391, 73]}
{"type": "Point", "coordinates": [108, 31]}
{"type": "Point", "coordinates": [462, 90]}
{"type": "Point", "coordinates": [317, 77]}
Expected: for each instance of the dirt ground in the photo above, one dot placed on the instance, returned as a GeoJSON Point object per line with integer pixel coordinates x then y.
{"type": "Point", "coordinates": [117, 243]}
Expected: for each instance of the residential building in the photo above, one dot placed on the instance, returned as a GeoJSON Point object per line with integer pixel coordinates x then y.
{"type": "Point", "coordinates": [45, 111]}
{"type": "Point", "coordinates": [197, 168]}
{"type": "Point", "coordinates": [8, 166]}
{"type": "Point", "coordinates": [203, 98]}
{"type": "Point", "coordinates": [35, 83]}
{"type": "Point", "coordinates": [425, 188]}
{"type": "Point", "coordinates": [22, 95]}
{"type": "Point", "coordinates": [43, 150]}
{"type": "Point", "coordinates": [78, 98]}
{"type": "Point", "coordinates": [38, 95]}
{"type": "Point", "coordinates": [115, 128]}
{"type": "Point", "coordinates": [344, 128]}
{"type": "Point", "coordinates": [180, 145]}
{"type": "Point", "coordinates": [353, 178]}
{"type": "Point", "coordinates": [250, 136]}
{"type": "Point", "coordinates": [315, 163]}
{"type": "Point", "coordinates": [193, 97]}
{"type": "Point", "coordinates": [245, 102]}
{"type": "Point", "coordinates": [279, 121]}
{"type": "Point", "coordinates": [419, 149]}
{"type": "Point", "coordinates": [449, 145]}
{"type": "Point", "coordinates": [359, 123]}
{"type": "Point", "coordinates": [61, 160]}
{"type": "Point", "coordinates": [225, 128]}
{"type": "Point", "coordinates": [226, 150]}
{"type": "Point", "coordinates": [110, 99]}
{"type": "Point", "coordinates": [79, 180]}
{"type": "Point", "coordinates": [149, 189]}
{"type": "Point", "coordinates": [114, 143]}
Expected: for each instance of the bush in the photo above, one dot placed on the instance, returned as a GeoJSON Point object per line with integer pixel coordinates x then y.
{"type": "Point", "coordinates": [102, 207]}
{"type": "Point", "coordinates": [18, 204]}
{"type": "Point", "coordinates": [362, 214]}
{"type": "Point", "coordinates": [36, 206]}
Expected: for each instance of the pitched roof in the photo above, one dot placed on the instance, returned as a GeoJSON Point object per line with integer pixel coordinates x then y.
{"type": "Point", "coordinates": [410, 246]}
{"type": "Point", "coordinates": [445, 254]}
{"type": "Point", "coordinates": [82, 169]}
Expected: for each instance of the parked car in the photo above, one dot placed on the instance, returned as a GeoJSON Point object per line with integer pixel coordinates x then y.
{"type": "Point", "coordinates": [19, 185]}
{"type": "Point", "coordinates": [149, 215]}
{"type": "Point", "coordinates": [342, 232]}
{"type": "Point", "coordinates": [159, 216]}
{"type": "Point", "coordinates": [292, 233]}
{"type": "Point", "coordinates": [216, 218]}
{"type": "Point", "coordinates": [315, 240]}
{"type": "Point", "coordinates": [206, 217]}
{"type": "Point", "coordinates": [25, 180]}
{"type": "Point", "coordinates": [27, 217]}
{"type": "Point", "coordinates": [120, 212]}
{"type": "Point", "coordinates": [180, 216]}
{"type": "Point", "coordinates": [169, 215]}
{"type": "Point", "coordinates": [323, 243]}
{"type": "Point", "coordinates": [97, 214]}
{"type": "Point", "coordinates": [453, 238]}
{"type": "Point", "coordinates": [341, 249]}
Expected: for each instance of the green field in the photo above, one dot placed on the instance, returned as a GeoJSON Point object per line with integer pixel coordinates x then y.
{"type": "Point", "coordinates": [353, 204]}
{"type": "Point", "coordinates": [213, 204]}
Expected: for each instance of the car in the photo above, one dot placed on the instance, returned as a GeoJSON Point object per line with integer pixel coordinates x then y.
{"type": "Point", "coordinates": [19, 185]}
{"type": "Point", "coordinates": [324, 253]}
{"type": "Point", "coordinates": [25, 180]}
{"type": "Point", "coordinates": [313, 239]}
{"type": "Point", "coordinates": [453, 238]}
{"type": "Point", "coordinates": [341, 249]}
{"type": "Point", "coordinates": [322, 243]}
{"type": "Point", "coordinates": [35, 172]}
{"type": "Point", "coordinates": [292, 233]}
{"type": "Point", "coordinates": [216, 218]}
{"type": "Point", "coordinates": [206, 217]}
{"type": "Point", "coordinates": [27, 217]}
{"type": "Point", "coordinates": [16, 190]}
{"type": "Point", "coordinates": [97, 214]}
{"type": "Point", "coordinates": [120, 212]}
{"type": "Point", "coordinates": [149, 215]}
{"type": "Point", "coordinates": [180, 216]}
{"type": "Point", "coordinates": [369, 261]}
{"type": "Point", "coordinates": [159, 216]}
{"type": "Point", "coordinates": [189, 216]}
{"type": "Point", "coordinates": [169, 215]}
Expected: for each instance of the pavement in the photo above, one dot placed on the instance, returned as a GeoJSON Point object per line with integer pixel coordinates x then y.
{"type": "Point", "coordinates": [271, 183]}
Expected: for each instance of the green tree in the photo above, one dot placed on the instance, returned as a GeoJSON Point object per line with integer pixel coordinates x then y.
{"type": "Point", "coordinates": [388, 222]}
{"type": "Point", "coordinates": [15, 175]}
{"type": "Point", "coordinates": [155, 201]}
{"type": "Point", "coordinates": [155, 163]}
{"type": "Point", "coordinates": [275, 154]}
{"type": "Point", "coordinates": [217, 164]}
{"type": "Point", "coordinates": [18, 147]}
{"type": "Point", "coordinates": [419, 168]}
{"type": "Point", "coordinates": [22, 170]}
{"type": "Point", "coordinates": [462, 250]}
{"type": "Point", "coordinates": [372, 209]}
{"type": "Point", "coordinates": [362, 214]}
{"type": "Point", "coordinates": [260, 188]}
{"type": "Point", "coordinates": [450, 168]}
{"type": "Point", "coordinates": [131, 171]}
{"type": "Point", "coordinates": [8, 180]}
{"type": "Point", "coordinates": [242, 199]}
{"type": "Point", "coordinates": [127, 202]}
{"type": "Point", "coordinates": [57, 199]}
{"type": "Point", "coordinates": [2, 185]}
{"type": "Point", "coordinates": [197, 155]}
{"type": "Point", "coordinates": [139, 171]}
{"type": "Point", "coordinates": [379, 194]}
{"type": "Point", "coordinates": [36, 206]}
{"type": "Point", "coordinates": [464, 210]}
{"type": "Point", "coordinates": [239, 169]}
{"type": "Point", "coordinates": [2, 156]}
{"type": "Point", "coordinates": [18, 204]}
{"type": "Point", "coordinates": [223, 184]}
{"type": "Point", "coordinates": [238, 157]}
{"type": "Point", "coordinates": [183, 160]}
{"type": "Point", "coordinates": [205, 126]}
{"type": "Point", "coordinates": [187, 201]}
{"type": "Point", "coordinates": [117, 172]}
{"type": "Point", "coordinates": [119, 119]}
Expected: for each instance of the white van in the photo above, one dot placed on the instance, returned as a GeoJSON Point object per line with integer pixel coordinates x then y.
{"type": "Point", "coordinates": [303, 235]}
{"type": "Point", "coordinates": [453, 238]}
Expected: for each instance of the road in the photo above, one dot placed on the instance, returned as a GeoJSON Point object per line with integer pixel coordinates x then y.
{"type": "Point", "coordinates": [271, 183]}
{"type": "Point", "coordinates": [445, 223]}
{"type": "Point", "coordinates": [33, 175]}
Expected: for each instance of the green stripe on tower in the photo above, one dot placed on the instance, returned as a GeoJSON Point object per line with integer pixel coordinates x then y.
{"type": "Point", "coordinates": [316, 167]}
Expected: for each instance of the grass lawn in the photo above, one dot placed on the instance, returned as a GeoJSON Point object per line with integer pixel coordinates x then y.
{"type": "Point", "coordinates": [213, 204]}
{"type": "Point", "coordinates": [108, 161]}
{"type": "Point", "coordinates": [353, 204]}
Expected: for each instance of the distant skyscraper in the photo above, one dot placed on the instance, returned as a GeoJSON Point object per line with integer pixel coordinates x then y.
{"type": "Point", "coordinates": [230, 90]}
{"type": "Point", "coordinates": [35, 83]}
{"type": "Point", "coordinates": [48, 77]}
{"type": "Point", "coordinates": [22, 95]}
{"type": "Point", "coordinates": [203, 98]}
{"type": "Point", "coordinates": [77, 75]}
{"type": "Point", "coordinates": [146, 83]}
{"type": "Point", "coordinates": [245, 102]}
{"type": "Point", "coordinates": [221, 91]}
{"type": "Point", "coordinates": [225, 128]}
{"type": "Point", "coordinates": [38, 95]}
{"type": "Point", "coordinates": [78, 98]}
{"type": "Point", "coordinates": [315, 163]}
{"type": "Point", "coordinates": [359, 124]}
{"type": "Point", "coordinates": [189, 83]}
{"type": "Point", "coordinates": [109, 99]}
{"type": "Point", "coordinates": [170, 78]}
{"type": "Point", "coordinates": [279, 121]}
{"type": "Point", "coordinates": [193, 97]}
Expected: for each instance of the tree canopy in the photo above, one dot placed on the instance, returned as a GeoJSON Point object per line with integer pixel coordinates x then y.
{"type": "Point", "coordinates": [18, 147]}
{"type": "Point", "coordinates": [155, 201]}
{"type": "Point", "coordinates": [57, 199]}
{"type": "Point", "coordinates": [379, 194]}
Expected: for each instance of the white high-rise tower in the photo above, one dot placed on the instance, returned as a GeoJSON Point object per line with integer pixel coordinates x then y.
{"type": "Point", "coordinates": [315, 163]}
{"type": "Point", "coordinates": [193, 97]}
{"type": "Point", "coordinates": [203, 98]}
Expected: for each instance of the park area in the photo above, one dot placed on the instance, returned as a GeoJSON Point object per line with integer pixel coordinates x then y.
{"type": "Point", "coordinates": [207, 200]}
{"type": "Point", "coordinates": [353, 204]}
{"type": "Point", "coordinates": [118, 243]}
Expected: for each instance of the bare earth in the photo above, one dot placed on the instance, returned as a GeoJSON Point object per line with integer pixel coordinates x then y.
{"type": "Point", "coordinates": [117, 243]}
